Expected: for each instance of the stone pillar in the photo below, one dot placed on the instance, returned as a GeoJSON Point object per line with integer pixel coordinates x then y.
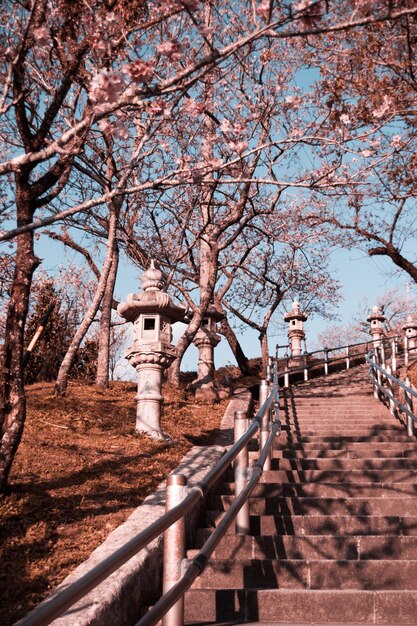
{"type": "Point", "coordinates": [296, 333]}
{"type": "Point", "coordinates": [206, 340]}
{"type": "Point", "coordinates": [152, 313]}
{"type": "Point", "coordinates": [150, 366]}
{"type": "Point", "coordinates": [377, 330]}
{"type": "Point", "coordinates": [410, 329]}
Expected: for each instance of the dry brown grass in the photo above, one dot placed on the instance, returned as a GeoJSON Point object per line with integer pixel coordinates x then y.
{"type": "Point", "coordinates": [79, 473]}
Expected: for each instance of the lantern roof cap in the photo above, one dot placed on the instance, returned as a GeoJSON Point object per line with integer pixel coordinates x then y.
{"type": "Point", "coordinates": [376, 314]}
{"type": "Point", "coordinates": [152, 301]}
{"type": "Point", "coordinates": [295, 313]}
{"type": "Point", "coordinates": [410, 322]}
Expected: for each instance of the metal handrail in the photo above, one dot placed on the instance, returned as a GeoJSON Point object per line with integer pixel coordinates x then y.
{"type": "Point", "coordinates": [305, 365]}
{"type": "Point", "coordinates": [387, 375]}
{"type": "Point", "coordinates": [198, 564]}
{"type": "Point", "coordinates": [50, 610]}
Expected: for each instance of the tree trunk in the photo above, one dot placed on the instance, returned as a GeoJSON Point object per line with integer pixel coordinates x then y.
{"type": "Point", "coordinates": [395, 255]}
{"type": "Point", "coordinates": [227, 331]}
{"type": "Point", "coordinates": [62, 378]}
{"type": "Point", "coordinates": [263, 338]}
{"type": "Point", "coordinates": [13, 410]}
{"type": "Point", "coordinates": [174, 372]}
{"type": "Point", "coordinates": [199, 312]}
{"type": "Point", "coordinates": [103, 359]}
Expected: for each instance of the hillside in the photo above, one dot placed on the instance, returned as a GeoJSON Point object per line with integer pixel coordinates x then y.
{"type": "Point", "coordinates": [79, 473]}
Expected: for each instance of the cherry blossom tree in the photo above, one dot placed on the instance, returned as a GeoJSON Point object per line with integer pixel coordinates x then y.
{"type": "Point", "coordinates": [73, 70]}
{"type": "Point", "coordinates": [369, 119]}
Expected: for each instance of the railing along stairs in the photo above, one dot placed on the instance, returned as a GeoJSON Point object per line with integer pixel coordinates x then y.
{"type": "Point", "coordinates": [181, 500]}
{"type": "Point", "coordinates": [387, 388]}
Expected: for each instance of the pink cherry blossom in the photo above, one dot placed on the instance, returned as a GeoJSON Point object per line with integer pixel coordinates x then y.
{"type": "Point", "coordinates": [140, 71]}
{"type": "Point", "coordinates": [238, 146]}
{"type": "Point", "coordinates": [42, 35]}
{"type": "Point", "coordinates": [106, 86]}
{"type": "Point", "coordinates": [383, 108]}
{"type": "Point", "coordinates": [193, 108]}
{"type": "Point", "coordinates": [226, 126]}
{"type": "Point", "coordinates": [263, 9]}
{"type": "Point", "coordinates": [171, 49]}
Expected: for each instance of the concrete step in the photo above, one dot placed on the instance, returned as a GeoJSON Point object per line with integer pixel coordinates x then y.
{"type": "Point", "coordinates": [344, 465]}
{"type": "Point", "coordinates": [341, 424]}
{"type": "Point", "coordinates": [317, 524]}
{"type": "Point", "coordinates": [336, 430]}
{"type": "Point", "coordinates": [268, 490]}
{"type": "Point", "coordinates": [300, 606]}
{"type": "Point", "coordinates": [346, 445]}
{"type": "Point", "coordinates": [333, 525]}
{"type": "Point", "coordinates": [289, 439]}
{"type": "Point", "coordinates": [347, 475]}
{"type": "Point", "coordinates": [308, 574]}
{"type": "Point", "coordinates": [387, 452]}
{"type": "Point", "coordinates": [315, 547]}
{"type": "Point", "coordinates": [407, 505]}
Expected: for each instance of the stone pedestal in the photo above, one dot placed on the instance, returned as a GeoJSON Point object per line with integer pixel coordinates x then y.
{"type": "Point", "coordinates": [410, 329]}
{"type": "Point", "coordinates": [150, 362]}
{"type": "Point", "coordinates": [296, 333]}
{"type": "Point", "coordinates": [377, 330]}
{"type": "Point", "coordinates": [204, 386]}
{"type": "Point", "coordinates": [206, 340]}
{"type": "Point", "coordinates": [152, 313]}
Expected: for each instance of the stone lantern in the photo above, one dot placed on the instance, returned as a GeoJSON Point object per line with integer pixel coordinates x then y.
{"type": "Point", "coordinates": [410, 328]}
{"type": "Point", "coordinates": [296, 333]}
{"type": "Point", "coordinates": [377, 331]}
{"type": "Point", "coordinates": [206, 340]}
{"type": "Point", "coordinates": [152, 313]}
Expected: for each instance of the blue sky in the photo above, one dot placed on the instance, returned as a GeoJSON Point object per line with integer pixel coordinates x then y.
{"type": "Point", "coordinates": [360, 276]}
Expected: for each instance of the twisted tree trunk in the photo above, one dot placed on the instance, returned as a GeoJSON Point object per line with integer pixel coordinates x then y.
{"type": "Point", "coordinates": [242, 361]}
{"type": "Point", "coordinates": [62, 378]}
{"type": "Point", "coordinates": [103, 359]}
{"type": "Point", "coordinates": [13, 409]}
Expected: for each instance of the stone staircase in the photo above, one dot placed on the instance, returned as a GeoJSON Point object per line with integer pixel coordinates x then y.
{"type": "Point", "coordinates": [333, 524]}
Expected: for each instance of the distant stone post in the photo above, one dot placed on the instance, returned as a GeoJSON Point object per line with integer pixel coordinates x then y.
{"type": "Point", "coordinates": [206, 339]}
{"type": "Point", "coordinates": [152, 313]}
{"type": "Point", "coordinates": [377, 331]}
{"type": "Point", "coordinates": [410, 329]}
{"type": "Point", "coordinates": [296, 333]}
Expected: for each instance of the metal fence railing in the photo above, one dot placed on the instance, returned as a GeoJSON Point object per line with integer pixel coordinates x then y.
{"type": "Point", "coordinates": [321, 361]}
{"type": "Point", "coordinates": [388, 387]}
{"type": "Point", "coordinates": [181, 501]}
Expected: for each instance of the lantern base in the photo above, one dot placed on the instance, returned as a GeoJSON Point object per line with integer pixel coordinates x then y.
{"type": "Point", "coordinates": [142, 428]}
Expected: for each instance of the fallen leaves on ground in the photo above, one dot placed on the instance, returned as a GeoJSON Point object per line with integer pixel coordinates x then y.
{"type": "Point", "coordinates": [79, 472]}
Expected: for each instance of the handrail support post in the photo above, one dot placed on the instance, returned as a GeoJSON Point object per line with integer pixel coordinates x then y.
{"type": "Point", "coordinates": [390, 390]}
{"type": "Point", "coordinates": [409, 404]}
{"type": "Point", "coordinates": [375, 377]}
{"type": "Point", "coordinates": [174, 548]}
{"type": "Point", "coordinates": [393, 356]}
{"type": "Point", "coordinates": [241, 472]}
{"type": "Point", "coordinates": [264, 391]}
